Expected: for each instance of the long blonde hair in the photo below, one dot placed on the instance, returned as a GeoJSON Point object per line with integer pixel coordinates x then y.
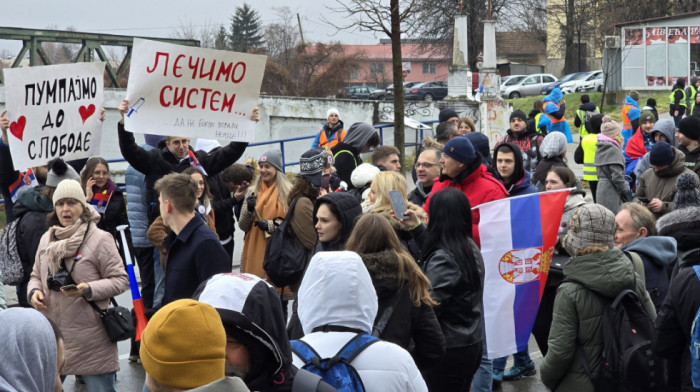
{"type": "Point", "coordinates": [284, 186]}
{"type": "Point", "coordinates": [383, 183]}
{"type": "Point", "coordinates": [372, 234]}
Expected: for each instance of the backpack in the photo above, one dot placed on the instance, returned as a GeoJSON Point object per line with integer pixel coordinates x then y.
{"type": "Point", "coordinates": [285, 259]}
{"type": "Point", "coordinates": [10, 263]}
{"type": "Point", "coordinates": [338, 370]}
{"type": "Point", "coordinates": [695, 343]}
{"type": "Point", "coordinates": [629, 362]}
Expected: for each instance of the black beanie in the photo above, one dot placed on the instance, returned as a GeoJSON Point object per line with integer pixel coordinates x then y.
{"type": "Point", "coordinates": [690, 127]}
{"type": "Point", "coordinates": [596, 121]}
{"type": "Point", "coordinates": [518, 114]}
{"type": "Point", "coordinates": [661, 154]}
{"type": "Point", "coordinates": [446, 114]}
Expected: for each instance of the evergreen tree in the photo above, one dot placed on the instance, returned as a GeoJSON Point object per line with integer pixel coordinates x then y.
{"type": "Point", "coordinates": [246, 29]}
{"type": "Point", "coordinates": [221, 40]}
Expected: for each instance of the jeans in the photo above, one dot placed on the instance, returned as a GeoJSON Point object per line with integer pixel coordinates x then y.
{"type": "Point", "coordinates": [159, 277]}
{"type": "Point", "coordinates": [519, 359]}
{"type": "Point", "coordinates": [100, 382]}
{"type": "Point", "coordinates": [483, 379]}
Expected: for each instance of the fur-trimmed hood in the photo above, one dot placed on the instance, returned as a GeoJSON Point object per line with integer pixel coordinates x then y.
{"type": "Point", "coordinates": [385, 211]}
{"type": "Point", "coordinates": [683, 225]}
{"type": "Point", "coordinates": [381, 265]}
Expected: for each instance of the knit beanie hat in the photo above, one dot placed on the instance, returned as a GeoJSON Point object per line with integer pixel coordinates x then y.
{"type": "Point", "coordinates": [272, 156]}
{"type": "Point", "coordinates": [690, 127]}
{"type": "Point", "coordinates": [363, 175]}
{"type": "Point", "coordinates": [647, 115]}
{"type": "Point", "coordinates": [688, 194]}
{"type": "Point", "coordinates": [59, 170]}
{"type": "Point", "coordinates": [634, 95]}
{"type": "Point", "coordinates": [553, 145]}
{"type": "Point", "coordinates": [609, 127]}
{"type": "Point", "coordinates": [311, 166]}
{"type": "Point", "coordinates": [184, 345]}
{"type": "Point", "coordinates": [481, 144]}
{"type": "Point", "coordinates": [518, 114]}
{"type": "Point", "coordinates": [69, 189]}
{"type": "Point", "coordinates": [592, 224]}
{"type": "Point", "coordinates": [332, 111]}
{"type": "Point", "coordinates": [661, 154]}
{"type": "Point", "coordinates": [446, 114]}
{"type": "Point", "coordinates": [460, 149]}
{"type": "Point", "coordinates": [596, 121]}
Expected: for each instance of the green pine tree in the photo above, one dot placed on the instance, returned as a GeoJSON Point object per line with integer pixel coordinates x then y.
{"type": "Point", "coordinates": [246, 29]}
{"type": "Point", "coordinates": [221, 41]}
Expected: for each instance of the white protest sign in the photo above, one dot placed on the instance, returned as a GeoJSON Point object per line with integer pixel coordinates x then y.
{"type": "Point", "coordinates": [177, 90]}
{"type": "Point", "coordinates": [54, 111]}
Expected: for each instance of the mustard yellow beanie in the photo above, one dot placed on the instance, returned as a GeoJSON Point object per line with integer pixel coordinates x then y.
{"type": "Point", "coordinates": [184, 345]}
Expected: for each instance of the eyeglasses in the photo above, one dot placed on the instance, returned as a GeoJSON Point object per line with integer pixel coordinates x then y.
{"type": "Point", "coordinates": [425, 165]}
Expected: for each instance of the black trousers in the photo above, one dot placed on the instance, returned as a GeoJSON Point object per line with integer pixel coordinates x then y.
{"type": "Point", "coordinates": [144, 259]}
{"type": "Point", "coordinates": [455, 370]}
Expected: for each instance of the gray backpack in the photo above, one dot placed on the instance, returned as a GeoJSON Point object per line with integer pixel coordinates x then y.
{"type": "Point", "coordinates": [10, 262]}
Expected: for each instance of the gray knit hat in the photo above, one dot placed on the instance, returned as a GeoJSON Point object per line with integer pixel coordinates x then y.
{"type": "Point", "coordinates": [591, 224]}
{"type": "Point", "coordinates": [59, 170]}
{"type": "Point", "coordinates": [687, 194]}
{"type": "Point", "coordinates": [272, 156]}
{"type": "Point", "coordinates": [553, 145]}
{"type": "Point", "coordinates": [311, 166]}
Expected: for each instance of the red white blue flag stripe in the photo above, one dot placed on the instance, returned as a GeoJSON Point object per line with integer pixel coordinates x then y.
{"type": "Point", "coordinates": [24, 181]}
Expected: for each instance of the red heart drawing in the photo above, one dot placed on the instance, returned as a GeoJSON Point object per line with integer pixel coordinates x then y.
{"type": "Point", "coordinates": [17, 127]}
{"type": "Point", "coordinates": [86, 112]}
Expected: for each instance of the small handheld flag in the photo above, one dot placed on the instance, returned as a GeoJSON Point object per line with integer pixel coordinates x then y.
{"type": "Point", "coordinates": [135, 293]}
{"type": "Point", "coordinates": [24, 181]}
{"type": "Point", "coordinates": [194, 162]}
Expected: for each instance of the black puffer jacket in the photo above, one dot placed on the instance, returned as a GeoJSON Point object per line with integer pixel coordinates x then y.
{"type": "Point", "coordinates": [460, 306]}
{"type": "Point", "coordinates": [408, 322]}
{"type": "Point", "coordinates": [31, 207]}
{"type": "Point", "coordinates": [349, 209]}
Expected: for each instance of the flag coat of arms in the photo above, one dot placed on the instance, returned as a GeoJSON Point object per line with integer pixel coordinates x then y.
{"type": "Point", "coordinates": [24, 181]}
{"type": "Point", "coordinates": [517, 243]}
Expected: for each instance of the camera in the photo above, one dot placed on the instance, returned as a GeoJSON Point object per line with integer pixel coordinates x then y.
{"type": "Point", "coordinates": [59, 279]}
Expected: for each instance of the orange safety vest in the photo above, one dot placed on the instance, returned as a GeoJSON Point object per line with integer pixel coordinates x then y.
{"type": "Point", "coordinates": [552, 118]}
{"type": "Point", "coordinates": [323, 141]}
{"type": "Point", "coordinates": [626, 123]}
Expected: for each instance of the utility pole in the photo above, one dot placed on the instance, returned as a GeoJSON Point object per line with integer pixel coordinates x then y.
{"type": "Point", "coordinates": [301, 33]}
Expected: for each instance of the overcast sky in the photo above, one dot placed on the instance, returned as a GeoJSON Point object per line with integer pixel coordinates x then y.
{"type": "Point", "coordinates": [158, 18]}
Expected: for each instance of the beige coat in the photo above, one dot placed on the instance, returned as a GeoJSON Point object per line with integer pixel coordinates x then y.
{"type": "Point", "coordinates": [88, 350]}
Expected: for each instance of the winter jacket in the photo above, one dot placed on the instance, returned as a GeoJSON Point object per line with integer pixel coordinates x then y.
{"type": "Point", "coordinates": [194, 255]}
{"type": "Point", "coordinates": [678, 101]}
{"type": "Point", "coordinates": [250, 307]}
{"type": "Point", "coordinates": [32, 208]}
{"type": "Point", "coordinates": [578, 316]}
{"type": "Point", "coordinates": [638, 145]}
{"type": "Point", "coordinates": [543, 167]}
{"type": "Point", "coordinates": [610, 165]}
{"type": "Point", "coordinates": [529, 142]}
{"type": "Point", "coordinates": [332, 133]}
{"type": "Point", "coordinates": [662, 184]}
{"type": "Point", "coordinates": [87, 350]}
{"type": "Point", "coordinates": [350, 302]}
{"type": "Point", "coordinates": [137, 205]}
{"type": "Point", "coordinates": [418, 195]}
{"type": "Point", "coordinates": [460, 308]}
{"type": "Point", "coordinates": [478, 185]}
{"type": "Point", "coordinates": [226, 384]}
{"type": "Point", "coordinates": [408, 323]}
{"type": "Point", "coordinates": [684, 226]}
{"type": "Point", "coordinates": [630, 119]}
{"type": "Point", "coordinates": [301, 222]}
{"type": "Point", "coordinates": [658, 255]}
{"type": "Point", "coordinates": [349, 209]}
{"type": "Point", "coordinates": [586, 107]}
{"type": "Point", "coordinates": [668, 129]}
{"type": "Point", "coordinates": [159, 161]}
{"type": "Point", "coordinates": [346, 155]}
{"type": "Point", "coordinates": [692, 159]}
{"type": "Point", "coordinates": [222, 203]}
{"type": "Point", "coordinates": [410, 239]}
{"type": "Point", "coordinates": [555, 112]}
{"type": "Point", "coordinates": [522, 187]}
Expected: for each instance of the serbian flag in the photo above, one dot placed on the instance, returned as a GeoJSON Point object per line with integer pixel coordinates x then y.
{"type": "Point", "coordinates": [518, 235]}
{"type": "Point", "coordinates": [24, 181]}
{"type": "Point", "coordinates": [100, 200]}
{"type": "Point", "coordinates": [195, 163]}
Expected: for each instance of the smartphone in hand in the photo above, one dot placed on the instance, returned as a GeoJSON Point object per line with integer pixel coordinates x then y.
{"type": "Point", "coordinates": [398, 204]}
{"type": "Point", "coordinates": [326, 182]}
{"type": "Point", "coordinates": [69, 287]}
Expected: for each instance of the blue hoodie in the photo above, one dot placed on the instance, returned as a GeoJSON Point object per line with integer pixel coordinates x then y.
{"type": "Point", "coordinates": [551, 103]}
{"type": "Point", "coordinates": [657, 254]}
{"type": "Point", "coordinates": [633, 114]}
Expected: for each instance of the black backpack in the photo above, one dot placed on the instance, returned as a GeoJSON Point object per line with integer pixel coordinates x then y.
{"type": "Point", "coordinates": [285, 258]}
{"type": "Point", "coordinates": [629, 363]}
{"type": "Point", "coordinates": [11, 269]}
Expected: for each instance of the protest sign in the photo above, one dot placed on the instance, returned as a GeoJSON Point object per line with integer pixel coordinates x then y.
{"type": "Point", "coordinates": [54, 112]}
{"type": "Point", "coordinates": [177, 90]}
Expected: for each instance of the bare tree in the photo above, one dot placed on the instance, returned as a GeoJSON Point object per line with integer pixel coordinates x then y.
{"type": "Point", "coordinates": [390, 17]}
{"type": "Point", "coordinates": [205, 33]}
{"type": "Point", "coordinates": [528, 16]}
{"type": "Point", "coordinates": [281, 37]}
{"type": "Point", "coordinates": [59, 53]}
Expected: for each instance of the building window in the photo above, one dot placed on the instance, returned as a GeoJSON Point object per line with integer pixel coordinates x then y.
{"type": "Point", "coordinates": [428, 68]}
{"type": "Point", "coordinates": [376, 68]}
{"type": "Point", "coordinates": [353, 74]}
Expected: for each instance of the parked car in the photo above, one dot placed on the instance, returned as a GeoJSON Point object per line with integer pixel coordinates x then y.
{"type": "Point", "coordinates": [379, 94]}
{"type": "Point", "coordinates": [530, 85]}
{"type": "Point", "coordinates": [390, 89]}
{"type": "Point", "coordinates": [592, 83]}
{"type": "Point", "coordinates": [548, 88]}
{"type": "Point", "coordinates": [427, 91]}
{"type": "Point", "coordinates": [505, 79]}
{"type": "Point", "coordinates": [357, 92]}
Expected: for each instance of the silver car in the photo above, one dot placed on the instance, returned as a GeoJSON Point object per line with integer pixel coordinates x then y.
{"type": "Point", "coordinates": [530, 85]}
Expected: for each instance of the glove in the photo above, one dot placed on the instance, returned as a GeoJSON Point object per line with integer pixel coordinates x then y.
{"type": "Point", "coordinates": [263, 225]}
{"type": "Point", "coordinates": [251, 200]}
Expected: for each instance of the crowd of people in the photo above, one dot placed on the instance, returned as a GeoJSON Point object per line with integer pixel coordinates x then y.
{"type": "Point", "coordinates": [397, 296]}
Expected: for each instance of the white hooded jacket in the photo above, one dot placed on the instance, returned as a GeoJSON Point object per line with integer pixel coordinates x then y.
{"type": "Point", "coordinates": [337, 290]}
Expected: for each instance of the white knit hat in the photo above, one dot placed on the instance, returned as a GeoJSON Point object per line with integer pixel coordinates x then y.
{"type": "Point", "coordinates": [332, 111]}
{"type": "Point", "coordinates": [363, 175]}
{"type": "Point", "coordinates": [69, 189]}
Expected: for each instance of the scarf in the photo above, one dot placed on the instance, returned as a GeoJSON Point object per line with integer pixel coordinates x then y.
{"type": "Point", "coordinates": [268, 207]}
{"type": "Point", "coordinates": [101, 199]}
{"type": "Point", "coordinates": [66, 242]}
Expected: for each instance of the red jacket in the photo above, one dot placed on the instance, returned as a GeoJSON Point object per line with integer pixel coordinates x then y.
{"type": "Point", "coordinates": [480, 187]}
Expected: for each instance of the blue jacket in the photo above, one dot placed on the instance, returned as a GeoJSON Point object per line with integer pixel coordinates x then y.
{"type": "Point", "coordinates": [136, 205]}
{"type": "Point", "coordinates": [550, 107]}
{"type": "Point", "coordinates": [522, 187]}
{"type": "Point", "coordinates": [658, 254]}
{"type": "Point", "coordinates": [194, 256]}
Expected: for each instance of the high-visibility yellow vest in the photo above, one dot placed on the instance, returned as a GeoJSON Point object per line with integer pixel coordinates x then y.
{"type": "Point", "coordinates": [582, 117]}
{"type": "Point", "coordinates": [588, 145]}
{"type": "Point", "coordinates": [682, 102]}
{"type": "Point", "coordinates": [693, 91]}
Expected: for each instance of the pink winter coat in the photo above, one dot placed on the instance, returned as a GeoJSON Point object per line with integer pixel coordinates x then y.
{"type": "Point", "coordinates": [88, 350]}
